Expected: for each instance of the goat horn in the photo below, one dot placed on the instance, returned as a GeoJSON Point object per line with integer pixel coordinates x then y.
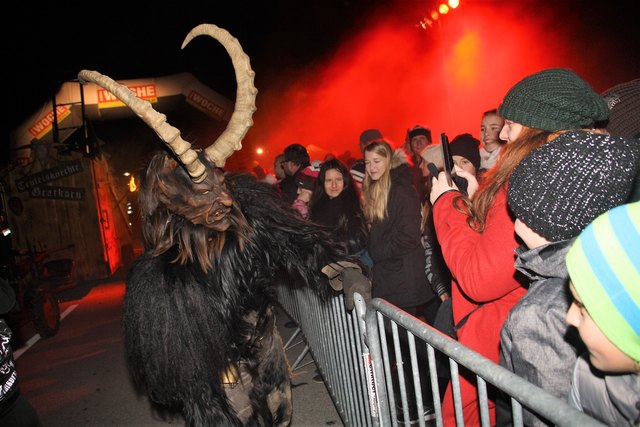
{"type": "Point", "coordinates": [240, 122]}
{"type": "Point", "coordinates": [231, 139]}
{"type": "Point", "coordinates": [157, 121]}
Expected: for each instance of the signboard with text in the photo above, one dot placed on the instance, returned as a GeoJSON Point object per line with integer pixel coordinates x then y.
{"type": "Point", "coordinates": [44, 124]}
{"type": "Point", "coordinates": [48, 175]}
{"type": "Point", "coordinates": [148, 92]}
{"type": "Point", "coordinates": [58, 193]}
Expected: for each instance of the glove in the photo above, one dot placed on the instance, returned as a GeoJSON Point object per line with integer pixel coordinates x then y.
{"type": "Point", "coordinates": [347, 277]}
{"type": "Point", "coordinates": [334, 272]}
{"type": "Point", "coordinates": [354, 281]}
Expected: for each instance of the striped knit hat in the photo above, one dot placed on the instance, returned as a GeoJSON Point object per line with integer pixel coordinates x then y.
{"type": "Point", "coordinates": [604, 265]}
{"type": "Point", "coordinates": [308, 176]}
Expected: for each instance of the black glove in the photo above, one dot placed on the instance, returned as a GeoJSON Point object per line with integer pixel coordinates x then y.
{"type": "Point", "coordinates": [461, 183]}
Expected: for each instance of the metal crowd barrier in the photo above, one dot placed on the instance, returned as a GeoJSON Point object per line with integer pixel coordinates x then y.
{"type": "Point", "coordinates": [332, 337]}
{"type": "Point", "coordinates": [351, 350]}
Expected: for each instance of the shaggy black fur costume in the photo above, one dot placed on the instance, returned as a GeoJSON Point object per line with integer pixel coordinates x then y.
{"type": "Point", "coordinates": [188, 330]}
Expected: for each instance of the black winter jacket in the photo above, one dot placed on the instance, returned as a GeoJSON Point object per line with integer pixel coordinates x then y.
{"type": "Point", "coordinates": [347, 222]}
{"type": "Point", "coordinates": [395, 244]}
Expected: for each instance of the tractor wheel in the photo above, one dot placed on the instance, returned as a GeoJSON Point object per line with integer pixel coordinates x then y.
{"type": "Point", "coordinates": [45, 310]}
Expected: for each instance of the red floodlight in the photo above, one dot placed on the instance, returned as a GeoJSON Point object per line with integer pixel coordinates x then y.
{"type": "Point", "coordinates": [443, 9]}
{"type": "Point", "coordinates": [454, 3]}
{"type": "Point", "coordinates": [435, 15]}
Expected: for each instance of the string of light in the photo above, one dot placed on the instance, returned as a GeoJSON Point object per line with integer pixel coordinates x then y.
{"type": "Point", "coordinates": [441, 9]}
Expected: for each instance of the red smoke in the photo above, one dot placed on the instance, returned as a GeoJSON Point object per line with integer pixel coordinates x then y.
{"type": "Point", "coordinates": [393, 75]}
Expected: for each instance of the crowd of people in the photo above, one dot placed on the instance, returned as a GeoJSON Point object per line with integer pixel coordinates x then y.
{"type": "Point", "coordinates": [529, 254]}
{"type": "Point", "coordinates": [515, 246]}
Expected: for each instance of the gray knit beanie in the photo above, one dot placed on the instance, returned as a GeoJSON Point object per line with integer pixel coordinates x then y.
{"type": "Point", "coordinates": [561, 187]}
{"type": "Point", "coordinates": [552, 100]}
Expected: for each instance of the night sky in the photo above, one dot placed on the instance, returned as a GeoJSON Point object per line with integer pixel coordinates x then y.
{"type": "Point", "coordinates": [326, 70]}
{"type": "Point", "coordinates": [52, 42]}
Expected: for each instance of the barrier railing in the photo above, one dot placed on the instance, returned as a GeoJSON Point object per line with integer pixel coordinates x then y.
{"type": "Point", "coordinates": [381, 315]}
{"type": "Point", "coordinates": [332, 336]}
{"type": "Point", "coordinates": [351, 350]}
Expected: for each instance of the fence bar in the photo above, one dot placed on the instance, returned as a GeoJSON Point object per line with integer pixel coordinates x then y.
{"type": "Point", "coordinates": [527, 394]}
{"type": "Point", "coordinates": [351, 351]}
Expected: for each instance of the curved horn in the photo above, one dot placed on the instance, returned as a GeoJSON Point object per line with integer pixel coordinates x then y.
{"type": "Point", "coordinates": [157, 121]}
{"type": "Point", "coordinates": [231, 139]}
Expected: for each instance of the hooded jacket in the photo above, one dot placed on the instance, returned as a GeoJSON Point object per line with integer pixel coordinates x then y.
{"type": "Point", "coordinates": [536, 343]}
{"type": "Point", "coordinates": [395, 243]}
{"type": "Point", "coordinates": [613, 399]}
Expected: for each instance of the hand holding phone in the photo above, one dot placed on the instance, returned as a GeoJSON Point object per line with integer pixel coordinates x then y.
{"type": "Point", "coordinates": [461, 183]}
{"type": "Point", "coordinates": [433, 169]}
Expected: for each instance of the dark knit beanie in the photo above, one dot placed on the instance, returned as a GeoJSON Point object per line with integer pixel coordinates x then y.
{"type": "Point", "coordinates": [561, 187]}
{"type": "Point", "coordinates": [552, 100]}
{"type": "Point", "coordinates": [624, 109]}
{"type": "Point", "coordinates": [419, 130]}
{"type": "Point", "coordinates": [466, 146]}
{"type": "Point", "coordinates": [368, 136]}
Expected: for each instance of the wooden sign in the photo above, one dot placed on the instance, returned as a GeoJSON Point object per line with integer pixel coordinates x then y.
{"type": "Point", "coordinates": [58, 193]}
{"type": "Point", "coordinates": [48, 175]}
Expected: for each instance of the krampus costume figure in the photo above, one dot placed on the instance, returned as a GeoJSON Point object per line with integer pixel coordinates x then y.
{"type": "Point", "coordinates": [200, 332]}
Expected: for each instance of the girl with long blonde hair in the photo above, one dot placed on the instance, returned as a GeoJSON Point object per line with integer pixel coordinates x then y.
{"type": "Point", "coordinates": [392, 210]}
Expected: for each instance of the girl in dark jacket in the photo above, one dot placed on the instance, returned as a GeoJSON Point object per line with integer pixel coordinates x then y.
{"type": "Point", "coordinates": [392, 210]}
{"type": "Point", "coordinates": [335, 204]}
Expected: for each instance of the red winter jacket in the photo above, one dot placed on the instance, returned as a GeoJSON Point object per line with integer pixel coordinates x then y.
{"type": "Point", "coordinates": [482, 266]}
